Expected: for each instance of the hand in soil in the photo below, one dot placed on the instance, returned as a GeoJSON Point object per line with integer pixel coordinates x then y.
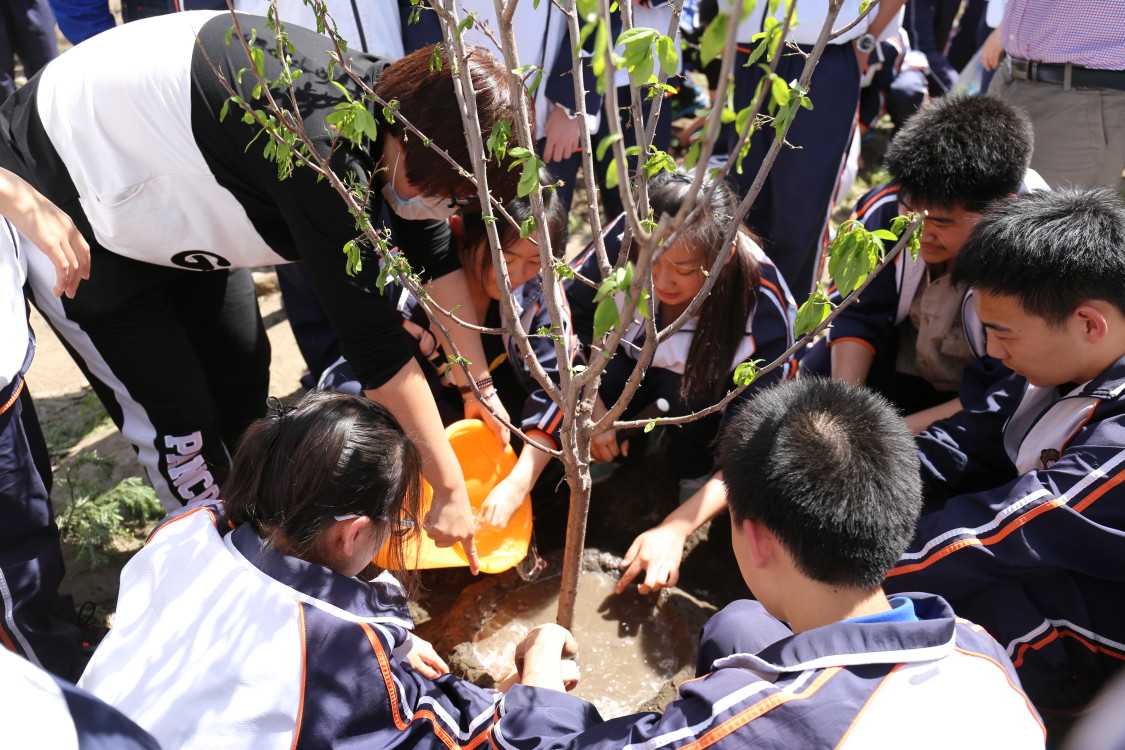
{"type": "Point", "coordinates": [657, 552]}
{"type": "Point", "coordinates": [425, 660]}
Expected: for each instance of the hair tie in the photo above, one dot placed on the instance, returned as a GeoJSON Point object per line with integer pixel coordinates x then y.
{"type": "Point", "coordinates": [279, 409]}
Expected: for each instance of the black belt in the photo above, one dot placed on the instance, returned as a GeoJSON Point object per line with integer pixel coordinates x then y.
{"type": "Point", "coordinates": [1065, 74]}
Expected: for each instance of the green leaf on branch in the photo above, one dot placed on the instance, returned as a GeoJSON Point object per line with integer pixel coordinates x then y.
{"type": "Point", "coordinates": [606, 316]}
{"type": "Point", "coordinates": [635, 34]}
{"type": "Point", "coordinates": [258, 61]}
{"type": "Point", "coordinates": [747, 372]}
{"type": "Point", "coordinates": [853, 255]}
{"type": "Point", "coordinates": [611, 174]}
{"type": "Point", "coordinates": [498, 139]}
{"type": "Point", "coordinates": [563, 271]}
{"type": "Point", "coordinates": [553, 332]}
{"type": "Point", "coordinates": [651, 426]}
{"type": "Point", "coordinates": [899, 225]}
{"type": "Point", "coordinates": [529, 178]}
{"type": "Point", "coordinates": [642, 303]}
{"type": "Point", "coordinates": [812, 313]}
{"type": "Point", "coordinates": [389, 111]}
{"type": "Point", "coordinates": [605, 143]}
{"type": "Point", "coordinates": [714, 38]}
{"type": "Point", "coordinates": [527, 227]}
{"type": "Point", "coordinates": [742, 120]}
{"type": "Point", "coordinates": [666, 52]}
{"type": "Point", "coordinates": [659, 161]}
{"type": "Point", "coordinates": [638, 55]}
{"type": "Point", "coordinates": [779, 90]}
{"type": "Point", "coordinates": [455, 361]}
{"type": "Point", "coordinates": [355, 260]}
{"type": "Point", "coordinates": [466, 23]}
{"type": "Point", "coordinates": [769, 41]}
{"type": "Point", "coordinates": [597, 61]}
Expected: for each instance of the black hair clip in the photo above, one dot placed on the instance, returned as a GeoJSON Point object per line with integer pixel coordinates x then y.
{"type": "Point", "coordinates": [279, 409]}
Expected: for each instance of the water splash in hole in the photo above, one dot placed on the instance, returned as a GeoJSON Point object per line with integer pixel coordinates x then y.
{"type": "Point", "coordinates": [625, 647]}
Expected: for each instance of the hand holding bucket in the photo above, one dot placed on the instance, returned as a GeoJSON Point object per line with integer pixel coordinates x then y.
{"type": "Point", "coordinates": [484, 464]}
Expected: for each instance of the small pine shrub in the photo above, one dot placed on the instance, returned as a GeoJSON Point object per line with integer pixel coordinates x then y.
{"type": "Point", "coordinates": [90, 516]}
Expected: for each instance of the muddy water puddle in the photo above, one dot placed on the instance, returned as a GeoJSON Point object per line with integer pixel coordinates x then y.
{"type": "Point", "coordinates": [625, 648]}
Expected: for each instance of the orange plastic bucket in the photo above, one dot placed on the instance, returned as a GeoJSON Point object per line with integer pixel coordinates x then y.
{"type": "Point", "coordinates": [483, 465]}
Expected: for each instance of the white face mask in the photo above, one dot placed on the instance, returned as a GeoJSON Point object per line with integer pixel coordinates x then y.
{"type": "Point", "coordinates": [420, 207]}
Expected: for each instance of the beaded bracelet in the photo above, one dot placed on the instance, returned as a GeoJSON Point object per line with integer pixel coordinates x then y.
{"type": "Point", "coordinates": [486, 394]}
{"type": "Point", "coordinates": [481, 385]}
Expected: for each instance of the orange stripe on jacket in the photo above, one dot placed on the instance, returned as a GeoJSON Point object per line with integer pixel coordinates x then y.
{"type": "Point", "coordinates": [872, 201]}
{"type": "Point", "coordinates": [1021, 652]}
{"type": "Point", "coordinates": [304, 674]}
{"type": "Point", "coordinates": [763, 706]}
{"type": "Point", "coordinates": [1093, 496]}
{"type": "Point", "coordinates": [1011, 526]}
{"type": "Point", "coordinates": [999, 536]}
{"type": "Point", "coordinates": [780, 297]}
{"type": "Point", "coordinates": [392, 694]}
{"type": "Point", "coordinates": [161, 527]}
{"type": "Point", "coordinates": [12, 399]}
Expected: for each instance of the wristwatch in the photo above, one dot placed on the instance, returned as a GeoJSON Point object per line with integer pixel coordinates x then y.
{"type": "Point", "coordinates": [865, 43]}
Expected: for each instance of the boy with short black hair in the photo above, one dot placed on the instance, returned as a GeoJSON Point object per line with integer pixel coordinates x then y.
{"type": "Point", "coordinates": [1028, 507]}
{"type": "Point", "coordinates": [912, 333]}
{"type": "Point", "coordinates": [824, 488]}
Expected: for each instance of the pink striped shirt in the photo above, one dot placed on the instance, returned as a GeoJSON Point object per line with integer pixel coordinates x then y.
{"type": "Point", "coordinates": [1089, 33]}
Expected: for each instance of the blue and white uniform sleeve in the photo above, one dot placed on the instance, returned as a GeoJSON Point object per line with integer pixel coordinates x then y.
{"type": "Point", "coordinates": [542, 719]}
{"type": "Point", "coordinates": [1068, 516]}
{"type": "Point", "coordinates": [771, 323]}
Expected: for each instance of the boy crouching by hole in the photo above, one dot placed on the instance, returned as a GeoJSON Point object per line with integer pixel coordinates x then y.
{"type": "Point", "coordinates": [824, 493]}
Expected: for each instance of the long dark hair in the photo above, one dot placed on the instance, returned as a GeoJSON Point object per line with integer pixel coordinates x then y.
{"type": "Point", "coordinates": [473, 250]}
{"type": "Point", "coordinates": [722, 316]}
{"type": "Point", "coordinates": [331, 455]}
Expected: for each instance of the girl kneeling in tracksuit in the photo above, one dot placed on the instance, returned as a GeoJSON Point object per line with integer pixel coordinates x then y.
{"type": "Point", "coordinates": [242, 624]}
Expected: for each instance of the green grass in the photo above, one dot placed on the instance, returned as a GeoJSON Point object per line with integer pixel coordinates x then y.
{"type": "Point", "coordinates": [66, 421]}
{"type": "Point", "coordinates": [92, 515]}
